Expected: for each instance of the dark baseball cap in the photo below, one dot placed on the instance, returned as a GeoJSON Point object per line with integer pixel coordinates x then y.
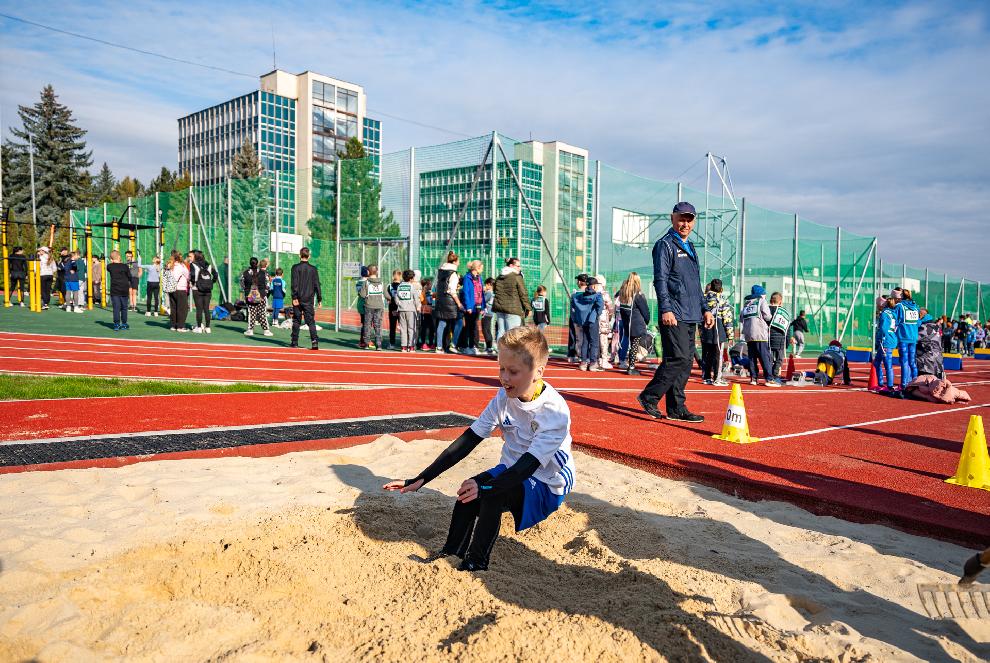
{"type": "Point", "coordinates": [592, 281]}
{"type": "Point", "coordinates": [583, 277]}
{"type": "Point", "coordinates": [684, 208]}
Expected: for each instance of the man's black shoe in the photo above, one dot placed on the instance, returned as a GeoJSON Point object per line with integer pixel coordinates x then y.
{"type": "Point", "coordinates": [650, 408]}
{"type": "Point", "coordinates": [293, 345]}
{"type": "Point", "coordinates": [686, 416]}
{"type": "Point", "coordinates": [315, 346]}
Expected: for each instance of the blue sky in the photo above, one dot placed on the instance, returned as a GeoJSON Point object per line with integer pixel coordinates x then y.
{"type": "Point", "coordinates": [870, 115]}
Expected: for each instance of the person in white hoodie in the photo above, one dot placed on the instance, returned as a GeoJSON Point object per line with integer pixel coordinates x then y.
{"type": "Point", "coordinates": [47, 275]}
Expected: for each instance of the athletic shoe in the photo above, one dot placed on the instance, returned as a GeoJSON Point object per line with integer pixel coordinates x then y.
{"type": "Point", "coordinates": [773, 383]}
{"type": "Point", "coordinates": [155, 314]}
{"type": "Point", "coordinates": [472, 565]}
{"type": "Point", "coordinates": [386, 346]}
{"type": "Point", "coordinates": [572, 360]}
{"type": "Point", "coordinates": [315, 346]}
{"type": "Point", "coordinates": [125, 326]}
{"type": "Point", "coordinates": [209, 330]}
{"type": "Point", "coordinates": [686, 416]}
{"type": "Point", "coordinates": [197, 330]}
{"type": "Point", "coordinates": [362, 346]}
{"type": "Point", "coordinates": [148, 314]}
{"type": "Point", "coordinates": [650, 408]}
{"type": "Point", "coordinates": [708, 382]}
{"type": "Point", "coordinates": [753, 382]}
{"type": "Point", "coordinates": [249, 332]}
{"type": "Point", "coordinates": [370, 346]}
{"type": "Point", "coordinates": [424, 347]}
{"type": "Point", "coordinates": [582, 366]}
{"type": "Point", "coordinates": [44, 307]}
{"type": "Point", "coordinates": [21, 304]}
{"type": "Point", "coordinates": [80, 310]}
{"type": "Point", "coordinates": [720, 383]}
{"type": "Point", "coordinates": [182, 329]}
{"type": "Point", "coordinates": [268, 332]}
{"type": "Point", "coordinates": [492, 352]}
{"type": "Point", "coordinates": [623, 364]}
{"type": "Point", "coordinates": [605, 364]}
{"type": "Point", "coordinates": [594, 368]}
{"type": "Point", "coordinates": [116, 327]}
{"type": "Point", "coordinates": [438, 350]}
{"type": "Point", "coordinates": [293, 345]}
{"type": "Point", "coordinates": [632, 371]}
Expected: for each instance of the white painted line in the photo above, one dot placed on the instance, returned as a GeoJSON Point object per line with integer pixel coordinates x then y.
{"type": "Point", "coordinates": [870, 423]}
{"type": "Point", "coordinates": [215, 429]}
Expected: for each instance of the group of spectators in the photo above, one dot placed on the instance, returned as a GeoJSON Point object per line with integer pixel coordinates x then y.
{"type": "Point", "coordinates": [444, 314]}
{"type": "Point", "coordinates": [964, 335]}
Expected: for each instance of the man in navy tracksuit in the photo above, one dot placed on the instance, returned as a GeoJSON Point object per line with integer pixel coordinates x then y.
{"type": "Point", "coordinates": [677, 280]}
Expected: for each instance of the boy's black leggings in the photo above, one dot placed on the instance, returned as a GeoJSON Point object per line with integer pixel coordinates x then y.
{"type": "Point", "coordinates": [474, 526]}
{"type": "Point", "coordinates": [427, 330]}
{"type": "Point", "coordinates": [393, 322]}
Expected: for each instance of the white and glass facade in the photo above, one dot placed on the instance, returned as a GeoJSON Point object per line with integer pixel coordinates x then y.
{"type": "Point", "coordinates": [298, 123]}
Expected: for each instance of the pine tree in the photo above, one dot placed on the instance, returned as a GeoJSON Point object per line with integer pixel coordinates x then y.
{"type": "Point", "coordinates": [360, 196]}
{"type": "Point", "coordinates": [164, 183]}
{"type": "Point", "coordinates": [103, 186]}
{"type": "Point", "coordinates": [249, 191]}
{"type": "Point", "coordinates": [60, 161]}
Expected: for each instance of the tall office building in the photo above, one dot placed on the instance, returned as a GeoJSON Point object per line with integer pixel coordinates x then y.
{"type": "Point", "coordinates": [297, 123]}
{"type": "Point", "coordinates": [557, 186]}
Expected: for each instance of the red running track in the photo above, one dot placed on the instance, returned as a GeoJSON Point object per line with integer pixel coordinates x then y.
{"type": "Point", "coordinates": [872, 470]}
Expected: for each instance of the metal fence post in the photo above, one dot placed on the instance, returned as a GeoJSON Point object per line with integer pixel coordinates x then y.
{"type": "Point", "coordinates": [742, 254]}
{"type": "Point", "coordinates": [230, 240]}
{"type": "Point", "coordinates": [413, 220]}
{"type": "Point", "coordinates": [596, 219]}
{"type": "Point", "coordinates": [927, 301]}
{"type": "Point", "coordinates": [794, 269]}
{"type": "Point", "coordinates": [838, 277]}
{"type": "Point", "coordinates": [945, 293]}
{"type": "Point", "coordinates": [494, 200]}
{"type": "Point", "coordinates": [337, 275]}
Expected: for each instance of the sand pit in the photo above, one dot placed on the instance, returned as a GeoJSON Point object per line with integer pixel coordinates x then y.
{"type": "Point", "coordinates": [304, 557]}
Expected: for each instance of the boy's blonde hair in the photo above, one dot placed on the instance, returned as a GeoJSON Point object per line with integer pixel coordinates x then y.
{"type": "Point", "coordinates": [115, 255]}
{"type": "Point", "coordinates": [528, 342]}
{"type": "Point", "coordinates": [776, 297]}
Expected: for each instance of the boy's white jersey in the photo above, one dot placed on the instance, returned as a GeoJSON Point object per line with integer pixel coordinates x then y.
{"type": "Point", "coordinates": [541, 427]}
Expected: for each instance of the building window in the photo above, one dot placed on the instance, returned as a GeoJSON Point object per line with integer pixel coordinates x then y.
{"type": "Point", "coordinates": [347, 101]}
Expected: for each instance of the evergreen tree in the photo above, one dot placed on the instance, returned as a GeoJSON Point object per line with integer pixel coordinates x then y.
{"type": "Point", "coordinates": [183, 182]}
{"type": "Point", "coordinates": [164, 183]}
{"type": "Point", "coordinates": [103, 186]}
{"type": "Point", "coordinates": [249, 191]}
{"type": "Point", "coordinates": [361, 195]}
{"type": "Point", "coordinates": [60, 161]}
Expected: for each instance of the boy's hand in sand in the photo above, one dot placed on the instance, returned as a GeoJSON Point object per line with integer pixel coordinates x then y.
{"type": "Point", "coordinates": [401, 486]}
{"type": "Point", "coordinates": [468, 491]}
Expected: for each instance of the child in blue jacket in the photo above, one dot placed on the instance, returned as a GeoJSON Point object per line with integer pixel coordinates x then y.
{"type": "Point", "coordinates": [586, 306]}
{"type": "Point", "coordinates": [885, 343]}
{"type": "Point", "coordinates": [278, 294]}
{"type": "Point", "coordinates": [906, 315]}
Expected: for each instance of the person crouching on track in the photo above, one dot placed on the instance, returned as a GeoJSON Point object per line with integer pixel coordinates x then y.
{"type": "Point", "coordinates": [884, 344]}
{"type": "Point", "coordinates": [536, 469]}
{"type": "Point", "coordinates": [928, 353]}
{"type": "Point", "coordinates": [831, 362]}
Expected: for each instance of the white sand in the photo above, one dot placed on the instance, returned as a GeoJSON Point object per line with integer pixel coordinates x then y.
{"type": "Point", "coordinates": [304, 557]}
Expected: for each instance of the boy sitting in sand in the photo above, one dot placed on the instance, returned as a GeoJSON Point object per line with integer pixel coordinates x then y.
{"type": "Point", "coordinates": [536, 469]}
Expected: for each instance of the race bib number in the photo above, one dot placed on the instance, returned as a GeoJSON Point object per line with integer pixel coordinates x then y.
{"type": "Point", "coordinates": [910, 315]}
{"type": "Point", "coordinates": [404, 292]}
{"type": "Point", "coordinates": [375, 289]}
{"type": "Point", "coordinates": [538, 304]}
{"type": "Point", "coordinates": [751, 310]}
{"type": "Point", "coordinates": [780, 320]}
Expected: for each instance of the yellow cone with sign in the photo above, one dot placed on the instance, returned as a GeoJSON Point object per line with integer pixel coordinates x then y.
{"type": "Point", "coordinates": [735, 428]}
{"type": "Point", "coordinates": [974, 464]}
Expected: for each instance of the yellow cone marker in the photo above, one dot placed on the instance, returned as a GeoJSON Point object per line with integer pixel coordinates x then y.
{"type": "Point", "coordinates": [974, 464]}
{"type": "Point", "coordinates": [735, 428]}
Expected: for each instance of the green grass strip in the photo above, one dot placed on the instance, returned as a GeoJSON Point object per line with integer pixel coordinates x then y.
{"type": "Point", "coordinates": [31, 387]}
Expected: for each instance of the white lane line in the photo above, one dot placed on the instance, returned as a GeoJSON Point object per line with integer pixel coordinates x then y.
{"type": "Point", "coordinates": [871, 423]}
{"type": "Point", "coordinates": [214, 429]}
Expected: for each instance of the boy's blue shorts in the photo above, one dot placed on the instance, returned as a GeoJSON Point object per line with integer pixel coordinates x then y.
{"type": "Point", "coordinates": [538, 501]}
{"type": "Point", "coordinates": [277, 305]}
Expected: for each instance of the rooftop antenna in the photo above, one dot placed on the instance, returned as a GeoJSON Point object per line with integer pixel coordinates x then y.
{"type": "Point", "coordinates": [274, 63]}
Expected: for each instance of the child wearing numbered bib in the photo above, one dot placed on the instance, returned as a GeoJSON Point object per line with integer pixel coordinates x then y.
{"type": "Point", "coordinates": [405, 306]}
{"type": "Point", "coordinates": [906, 315]}
{"type": "Point", "coordinates": [756, 319]}
{"type": "Point", "coordinates": [780, 321]}
{"type": "Point", "coordinates": [541, 309]}
{"type": "Point", "coordinates": [536, 468]}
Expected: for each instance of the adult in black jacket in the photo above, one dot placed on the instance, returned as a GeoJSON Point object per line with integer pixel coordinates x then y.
{"type": "Point", "coordinates": [448, 304]}
{"type": "Point", "coordinates": [256, 279]}
{"type": "Point", "coordinates": [17, 264]}
{"type": "Point", "coordinates": [202, 278]}
{"type": "Point", "coordinates": [305, 285]}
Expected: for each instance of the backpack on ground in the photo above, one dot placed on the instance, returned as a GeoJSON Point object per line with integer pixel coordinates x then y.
{"type": "Point", "coordinates": [220, 313]}
{"type": "Point", "coordinates": [238, 316]}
